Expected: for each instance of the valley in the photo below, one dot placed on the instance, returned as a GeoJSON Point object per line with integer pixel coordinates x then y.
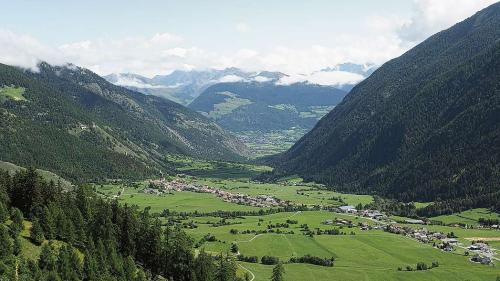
{"type": "Point", "coordinates": [262, 141]}
{"type": "Point", "coordinates": [215, 226]}
{"type": "Point", "coordinates": [268, 143]}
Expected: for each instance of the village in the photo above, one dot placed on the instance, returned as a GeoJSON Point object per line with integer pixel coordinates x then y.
{"type": "Point", "coordinates": [162, 186]}
{"type": "Point", "coordinates": [479, 251]}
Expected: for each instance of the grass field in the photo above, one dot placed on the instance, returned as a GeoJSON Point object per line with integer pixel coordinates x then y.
{"type": "Point", "coordinates": [15, 93]}
{"type": "Point", "coordinates": [203, 202]}
{"type": "Point", "coordinates": [367, 255]}
{"type": "Point", "coordinates": [214, 169]}
{"type": "Point", "coordinates": [467, 217]}
{"type": "Point", "coordinates": [301, 194]}
{"type": "Point", "coordinates": [267, 143]}
{"type": "Point", "coordinates": [178, 201]}
{"type": "Point", "coordinates": [359, 254]}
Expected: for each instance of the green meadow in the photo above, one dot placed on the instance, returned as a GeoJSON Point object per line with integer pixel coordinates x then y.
{"type": "Point", "coordinates": [300, 194]}
{"type": "Point", "coordinates": [178, 201]}
{"type": "Point", "coordinates": [215, 169]}
{"type": "Point", "coordinates": [15, 93]}
{"type": "Point", "coordinates": [467, 217]}
{"type": "Point", "coordinates": [359, 254]}
{"type": "Point", "coordinates": [364, 255]}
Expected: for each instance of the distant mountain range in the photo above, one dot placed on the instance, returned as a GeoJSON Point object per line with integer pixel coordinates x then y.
{"type": "Point", "coordinates": [185, 86]}
{"type": "Point", "coordinates": [424, 126]}
{"type": "Point", "coordinates": [73, 122]}
{"type": "Point", "coordinates": [265, 106]}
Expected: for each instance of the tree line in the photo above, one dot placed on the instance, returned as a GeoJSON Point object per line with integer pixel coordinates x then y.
{"type": "Point", "coordinates": [83, 237]}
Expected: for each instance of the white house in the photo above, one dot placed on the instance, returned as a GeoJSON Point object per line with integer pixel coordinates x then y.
{"type": "Point", "coordinates": [348, 209]}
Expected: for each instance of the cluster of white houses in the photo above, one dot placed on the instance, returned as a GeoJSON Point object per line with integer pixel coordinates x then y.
{"type": "Point", "coordinates": [372, 214]}
{"type": "Point", "coordinates": [161, 186]}
{"type": "Point", "coordinates": [482, 252]}
{"type": "Point", "coordinates": [421, 234]}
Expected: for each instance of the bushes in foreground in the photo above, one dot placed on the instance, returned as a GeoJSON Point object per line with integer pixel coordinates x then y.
{"type": "Point", "coordinates": [269, 260]}
{"type": "Point", "coordinates": [420, 266]}
{"type": "Point", "coordinates": [251, 259]}
{"type": "Point", "coordinates": [272, 260]}
{"type": "Point", "coordinates": [313, 260]}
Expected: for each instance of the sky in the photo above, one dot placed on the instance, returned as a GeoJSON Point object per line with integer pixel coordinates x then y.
{"type": "Point", "coordinates": [154, 37]}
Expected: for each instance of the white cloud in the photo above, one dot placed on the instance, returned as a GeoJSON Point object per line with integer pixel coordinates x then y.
{"type": "Point", "coordinates": [231, 78]}
{"type": "Point", "coordinates": [134, 82]}
{"type": "Point", "coordinates": [261, 79]}
{"type": "Point", "coordinates": [177, 52]}
{"type": "Point", "coordinates": [147, 56]}
{"type": "Point", "coordinates": [329, 78]}
{"type": "Point", "coordinates": [242, 27]}
{"type": "Point", "coordinates": [432, 16]}
{"type": "Point", "coordinates": [386, 37]}
{"type": "Point", "coordinates": [25, 51]}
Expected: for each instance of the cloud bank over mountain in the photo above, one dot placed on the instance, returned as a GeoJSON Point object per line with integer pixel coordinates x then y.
{"type": "Point", "coordinates": [163, 52]}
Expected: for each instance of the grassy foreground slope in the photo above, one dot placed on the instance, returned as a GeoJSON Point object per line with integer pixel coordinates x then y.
{"type": "Point", "coordinates": [367, 255]}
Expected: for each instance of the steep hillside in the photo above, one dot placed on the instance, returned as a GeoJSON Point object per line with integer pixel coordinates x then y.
{"type": "Point", "coordinates": [146, 86]}
{"type": "Point", "coordinates": [424, 126]}
{"type": "Point", "coordinates": [71, 121]}
{"type": "Point", "coordinates": [253, 106]}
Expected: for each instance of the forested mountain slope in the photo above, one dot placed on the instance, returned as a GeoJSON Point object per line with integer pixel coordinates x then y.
{"type": "Point", "coordinates": [71, 121]}
{"type": "Point", "coordinates": [424, 126]}
{"type": "Point", "coordinates": [256, 106]}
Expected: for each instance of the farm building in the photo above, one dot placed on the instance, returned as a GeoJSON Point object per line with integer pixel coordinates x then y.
{"type": "Point", "coordinates": [451, 241]}
{"type": "Point", "coordinates": [347, 209]}
{"type": "Point", "coordinates": [412, 221]}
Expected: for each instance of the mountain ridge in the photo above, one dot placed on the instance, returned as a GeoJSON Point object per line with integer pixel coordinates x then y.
{"type": "Point", "coordinates": [265, 106]}
{"type": "Point", "coordinates": [378, 139]}
{"type": "Point", "coordinates": [82, 127]}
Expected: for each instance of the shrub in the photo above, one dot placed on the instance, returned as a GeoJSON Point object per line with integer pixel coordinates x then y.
{"type": "Point", "coordinates": [313, 260]}
{"type": "Point", "coordinates": [269, 260]}
{"type": "Point", "coordinates": [421, 266]}
{"type": "Point", "coordinates": [252, 259]}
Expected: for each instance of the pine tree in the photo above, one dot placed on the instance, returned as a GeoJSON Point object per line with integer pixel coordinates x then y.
{"type": "Point", "coordinates": [226, 270]}
{"type": "Point", "coordinates": [278, 272]}
{"type": "Point", "coordinates": [76, 263]}
{"type": "Point", "coordinates": [48, 223]}
{"type": "Point", "coordinates": [4, 213]}
{"type": "Point", "coordinates": [17, 246]}
{"type": "Point", "coordinates": [48, 259]}
{"type": "Point", "coordinates": [89, 267]}
{"type": "Point", "coordinates": [234, 248]}
{"type": "Point", "coordinates": [17, 224]}
{"type": "Point", "coordinates": [5, 242]}
{"type": "Point", "coordinates": [36, 232]}
{"type": "Point", "coordinates": [204, 267]}
{"type": "Point", "coordinates": [130, 269]}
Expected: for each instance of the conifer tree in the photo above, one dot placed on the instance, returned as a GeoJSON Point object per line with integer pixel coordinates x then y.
{"type": "Point", "coordinates": [17, 224]}
{"type": "Point", "coordinates": [48, 258]}
{"type": "Point", "coordinates": [5, 242]}
{"type": "Point", "coordinates": [17, 247]}
{"type": "Point", "coordinates": [278, 272]}
{"type": "Point", "coordinates": [36, 232]}
{"type": "Point", "coordinates": [4, 213]}
{"type": "Point", "coordinates": [204, 267]}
